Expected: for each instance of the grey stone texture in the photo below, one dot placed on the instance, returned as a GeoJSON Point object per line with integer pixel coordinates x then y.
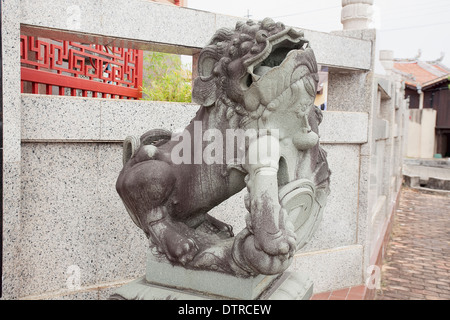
{"type": "Point", "coordinates": [70, 215]}
{"type": "Point", "coordinates": [56, 118]}
{"type": "Point", "coordinates": [60, 118]}
{"type": "Point", "coordinates": [203, 281]}
{"type": "Point", "coordinates": [438, 183]}
{"type": "Point", "coordinates": [339, 267]}
{"type": "Point", "coordinates": [11, 114]}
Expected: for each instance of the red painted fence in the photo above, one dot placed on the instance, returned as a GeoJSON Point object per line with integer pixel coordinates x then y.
{"type": "Point", "coordinates": [71, 68]}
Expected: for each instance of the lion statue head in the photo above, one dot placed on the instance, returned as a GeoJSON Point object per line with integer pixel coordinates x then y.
{"type": "Point", "coordinates": [242, 68]}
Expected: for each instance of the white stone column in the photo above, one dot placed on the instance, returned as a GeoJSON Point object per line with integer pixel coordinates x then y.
{"type": "Point", "coordinates": [387, 60]}
{"type": "Point", "coordinates": [356, 14]}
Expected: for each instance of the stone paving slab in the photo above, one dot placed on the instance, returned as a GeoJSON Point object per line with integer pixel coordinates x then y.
{"type": "Point", "coordinates": [417, 264]}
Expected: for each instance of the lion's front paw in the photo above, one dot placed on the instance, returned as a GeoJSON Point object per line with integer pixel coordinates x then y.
{"type": "Point", "coordinates": [177, 247]}
{"type": "Point", "coordinates": [181, 249]}
{"type": "Point", "coordinates": [263, 262]}
{"type": "Point", "coordinates": [280, 244]}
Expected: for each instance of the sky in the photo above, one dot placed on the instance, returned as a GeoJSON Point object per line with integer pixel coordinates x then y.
{"type": "Point", "coordinates": [404, 26]}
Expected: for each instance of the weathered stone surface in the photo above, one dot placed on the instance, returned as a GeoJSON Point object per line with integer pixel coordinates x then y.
{"type": "Point", "coordinates": [437, 183]}
{"type": "Point", "coordinates": [206, 282]}
{"type": "Point", "coordinates": [411, 181]}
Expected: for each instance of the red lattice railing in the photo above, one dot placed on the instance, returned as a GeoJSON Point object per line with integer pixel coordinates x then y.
{"type": "Point", "coordinates": [71, 68]}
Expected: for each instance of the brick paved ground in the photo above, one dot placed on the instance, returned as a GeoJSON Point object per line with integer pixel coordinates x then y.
{"type": "Point", "coordinates": [417, 260]}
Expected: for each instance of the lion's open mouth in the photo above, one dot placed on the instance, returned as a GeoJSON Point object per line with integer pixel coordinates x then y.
{"type": "Point", "coordinates": [276, 73]}
{"type": "Point", "coordinates": [277, 50]}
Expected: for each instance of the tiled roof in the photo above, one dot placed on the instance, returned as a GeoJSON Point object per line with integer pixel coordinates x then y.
{"type": "Point", "coordinates": [420, 72]}
{"type": "Point", "coordinates": [442, 68]}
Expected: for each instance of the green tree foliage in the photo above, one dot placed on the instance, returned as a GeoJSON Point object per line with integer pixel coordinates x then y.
{"type": "Point", "coordinates": [166, 79]}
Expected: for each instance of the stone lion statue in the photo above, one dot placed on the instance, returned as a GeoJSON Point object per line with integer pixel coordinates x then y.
{"type": "Point", "coordinates": [256, 83]}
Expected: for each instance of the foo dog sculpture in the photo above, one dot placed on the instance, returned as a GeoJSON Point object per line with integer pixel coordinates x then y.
{"type": "Point", "coordinates": [258, 80]}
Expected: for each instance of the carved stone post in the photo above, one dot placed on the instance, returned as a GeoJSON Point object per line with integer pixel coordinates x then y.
{"type": "Point", "coordinates": [356, 14]}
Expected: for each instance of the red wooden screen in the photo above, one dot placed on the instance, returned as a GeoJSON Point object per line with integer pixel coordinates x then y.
{"type": "Point", "coordinates": [66, 67]}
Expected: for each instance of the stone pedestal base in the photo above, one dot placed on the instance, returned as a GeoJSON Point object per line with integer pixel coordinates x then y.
{"type": "Point", "coordinates": [288, 286]}
{"type": "Point", "coordinates": [164, 281]}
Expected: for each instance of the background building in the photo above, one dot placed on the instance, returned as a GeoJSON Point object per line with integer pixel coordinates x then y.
{"type": "Point", "coordinates": [427, 87]}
